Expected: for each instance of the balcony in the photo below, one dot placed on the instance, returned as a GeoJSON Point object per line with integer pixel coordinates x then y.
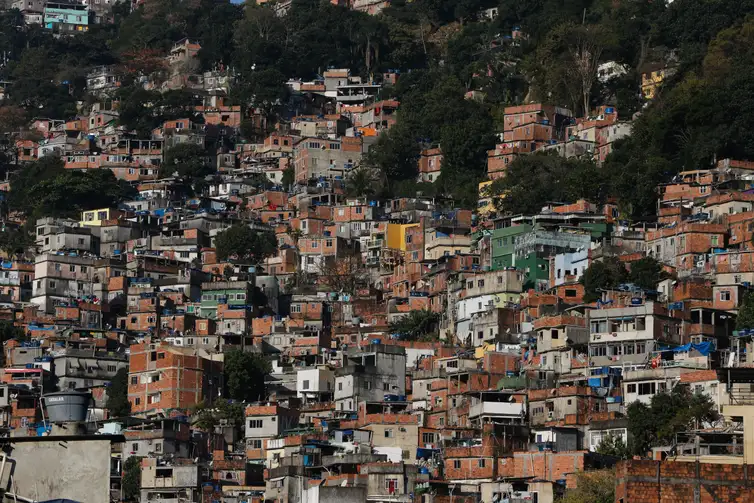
{"type": "Point", "coordinates": [376, 243]}
{"type": "Point", "coordinates": [497, 409]}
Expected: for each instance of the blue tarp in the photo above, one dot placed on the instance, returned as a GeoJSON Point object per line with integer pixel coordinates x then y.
{"type": "Point", "coordinates": [705, 348]}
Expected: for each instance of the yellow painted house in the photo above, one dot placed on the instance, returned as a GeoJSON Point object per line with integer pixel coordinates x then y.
{"type": "Point", "coordinates": [652, 80]}
{"type": "Point", "coordinates": [485, 206]}
{"type": "Point", "coordinates": [396, 235]}
{"type": "Point", "coordinates": [95, 218]}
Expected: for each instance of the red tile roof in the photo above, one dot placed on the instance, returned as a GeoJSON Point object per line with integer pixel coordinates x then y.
{"type": "Point", "coordinates": [699, 376]}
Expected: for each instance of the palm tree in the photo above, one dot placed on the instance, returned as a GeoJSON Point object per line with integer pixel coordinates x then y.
{"type": "Point", "coordinates": [362, 182]}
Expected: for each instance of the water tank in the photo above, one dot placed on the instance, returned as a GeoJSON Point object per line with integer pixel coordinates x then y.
{"type": "Point", "coordinates": [67, 406]}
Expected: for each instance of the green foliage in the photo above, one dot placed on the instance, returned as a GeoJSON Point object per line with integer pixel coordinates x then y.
{"type": "Point", "coordinates": [34, 90]}
{"type": "Point", "coordinates": [363, 182]}
{"type": "Point", "coordinates": [434, 111]}
{"type": "Point", "coordinates": [415, 325]}
{"type": "Point", "coordinates": [15, 242]}
{"type": "Point", "coordinates": [646, 273]}
{"type": "Point", "coordinates": [608, 273]}
{"type": "Point", "coordinates": [131, 482]}
{"type": "Point", "coordinates": [594, 486]}
{"type": "Point", "coordinates": [8, 331]}
{"type": "Point", "coordinates": [289, 177]}
{"type": "Point", "coordinates": [188, 161]}
{"type": "Point", "coordinates": [142, 111]}
{"type": "Point", "coordinates": [533, 181]}
{"type": "Point", "coordinates": [221, 412]}
{"type": "Point", "coordinates": [613, 445]}
{"type": "Point", "coordinates": [669, 413]}
{"type": "Point", "coordinates": [245, 375]}
{"type": "Point", "coordinates": [242, 242]}
{"type": "Point", "coordinates": [45, 188]}
{"type": "Point", "coordinates": [117, 395]}
{"type": "Point", "coordinates": [691, 123]}
{"type": "Point", "coordinates": [745, 319]}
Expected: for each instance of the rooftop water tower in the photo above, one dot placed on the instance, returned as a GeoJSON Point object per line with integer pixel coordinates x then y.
{"type": "Point", "coordinates": [67, 411]}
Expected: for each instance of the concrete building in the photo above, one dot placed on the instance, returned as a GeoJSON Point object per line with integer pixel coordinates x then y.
{"type": "Point", "coordinates": [165, 377]}
{"type": "Point", "coordinates": [61, 278]}
{"type": "Point", "coordinates": [369, 375]}
{"type": "Point", "coordinates": [72, 467]}
{"type": "Point", "coordinates": [315, 385]}
{"type": "Point", "coordinates": [169, 481]}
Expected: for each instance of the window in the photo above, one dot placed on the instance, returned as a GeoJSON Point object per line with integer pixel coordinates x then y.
{"type": "Point", "coordinates": [389, 433]}
{"type": "Point", "coordinates": [482, 463]}
{"type": "Point", "coordinates": [641, 347]}
{"type": "Point", "coordinates": [111, 368]}
{"type": "Point", "coordinates": [714, 241]}
{"type": "Point", "coordinates": [306, 384]}
{"type": "Point", "coordinates": [391, 485]}
{"type": "Point", "coordinates": [457, 464]}
{"type": "Point", "coordinates": [647, 388]}
{"type": "Point", "coordinates": [480, 283]}
{"type": "Point", "coordinates": [255, 423]}
{"type": "Point", "coordinates": [428, 438]}
{"type": "Point", "coordinates": [599, 350]}
{"type": "Point", "coordinates": [134, 380]}
{"type": "Point", "coordinates": [158, 447]}
{"type": "Point", "coordinates": [725, 295]}
{"type": "Point", "coordinates": [134, 447]}
{"type": "Point", "coordinates": [570, 293]}
{"type": "Point", "coordinates": [255, 444]}
{"type": "Point", "coordinates": [137, 401]}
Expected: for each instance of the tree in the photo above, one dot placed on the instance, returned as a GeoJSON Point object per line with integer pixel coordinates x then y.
{"type": "Point", "coordinates": [245, 375]}
{"type": "Point", "coordinates": [595, 486]}
{"type": "Point", "coordinates": [533, 181]}
{"type": "Point", "coordinates": [117, 395]}
{"type": "Point", "coordinates": [221, 412]}
{"type": "Point", "coordinates": [244, 243]}
{"type": "Point", "coordinates": [363, 182]}
{"type": "Point", "coordinates": [613, 445]}
{"type": "Point", "coordinates": [186, 160]}
{"type": "Point", "coordinates": [131, 484]}
{"type": "Point", "coordinates": [646, 273]}
{"type": "Point", "coordinates": [15, 241]}
{"type": "Point", "coordinates": [71, 192]}
{"type": "Point", "coordinates": [608, 273]}
{"type": "Point", "coordinates": [343, 274]}
{"type": "Point", "coordinates": [36, 87]}
{"type": "Point", "coordinates": [289, 177]}
{"type": "Point", "coordinates": [667, 414]}
{"type": "Point", "coordinates": [745, 319]}
{"type": "Point", "coordinates": [586, 51]}
{"type": "Point", "coordinates": [8, 331]}
{"type": "Point", "coordinates": [415, 325]}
